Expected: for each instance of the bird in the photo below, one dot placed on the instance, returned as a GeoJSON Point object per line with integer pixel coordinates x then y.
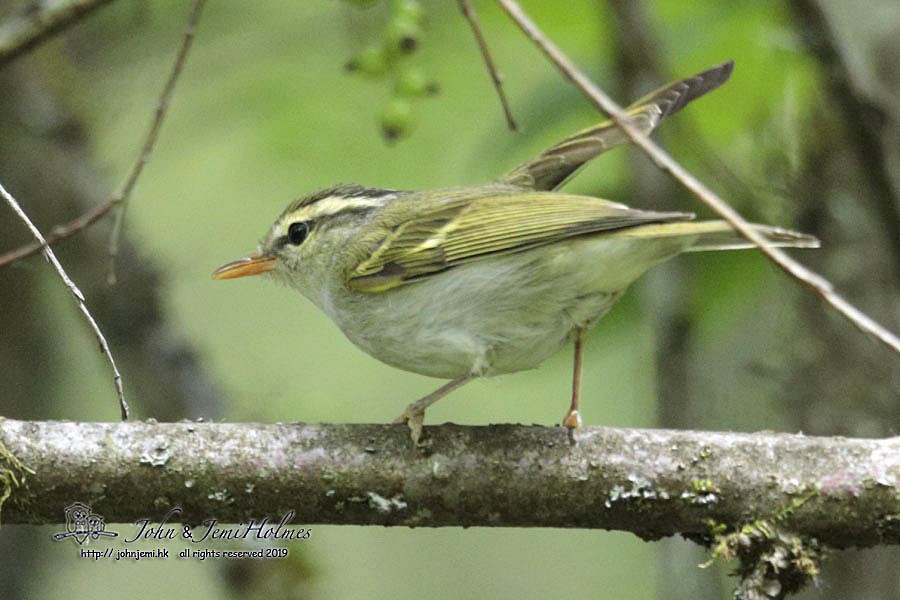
{"type": "Point", "coordinates": [483, 280]}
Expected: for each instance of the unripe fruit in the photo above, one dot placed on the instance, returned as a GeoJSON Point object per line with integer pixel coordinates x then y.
{"type": "Point", "coordinates": [402, 35]}
{"type": "Point", "coordinates": [396, 119]}
{"type": "Point", "coordinates": [371, 61]}
{"type": "Point", "coordinates": [412, 82]}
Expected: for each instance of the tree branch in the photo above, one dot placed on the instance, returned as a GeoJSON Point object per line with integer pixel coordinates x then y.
{"type": "Point", "coordinates": [815, 282]}
{"type": "Point", "coordinates": [76, 295]}
{"type": "Point", "coordinates": [468, 12]}
{"type": "Point", "coordinates": [120, 197]}
{"type": "Point", "coordinates": [40, 22]}
{"type": "Point", "coordinates": [57, 233]}
{"type": "Point", "coordinates": [654, 483]}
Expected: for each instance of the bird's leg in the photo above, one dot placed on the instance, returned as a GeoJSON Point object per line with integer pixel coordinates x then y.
{"type": "Point", "coordinates": [414, 415]}
{"type": "Point", "coordinates": [572, 419]}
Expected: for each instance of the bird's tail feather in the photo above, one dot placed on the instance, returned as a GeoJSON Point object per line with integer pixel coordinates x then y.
{"type": "Point", "coordinates": [550, 169]}
{"type": "Point", "coordinates": [719, 235]}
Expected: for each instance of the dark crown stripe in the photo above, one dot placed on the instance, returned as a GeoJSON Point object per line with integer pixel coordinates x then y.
{"type": "Point", "coordinates": [342, 190]}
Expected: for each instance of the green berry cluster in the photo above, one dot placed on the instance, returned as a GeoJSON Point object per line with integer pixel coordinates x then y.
{"type": "Point", "coordinates": [388, 59]}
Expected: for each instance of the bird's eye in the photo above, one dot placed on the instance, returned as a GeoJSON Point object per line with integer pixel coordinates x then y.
{"type": "Point", "coordinates": [297, 232]}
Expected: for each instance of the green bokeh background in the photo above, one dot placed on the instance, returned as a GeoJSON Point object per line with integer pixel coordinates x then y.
{"type": "Point", "coordinates": [264, 112]}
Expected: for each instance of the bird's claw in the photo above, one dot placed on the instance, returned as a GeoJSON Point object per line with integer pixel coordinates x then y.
{"type": "Point", "coordinates": [414, 420]}
{"type": "Point", "coordinates": [572, 419]}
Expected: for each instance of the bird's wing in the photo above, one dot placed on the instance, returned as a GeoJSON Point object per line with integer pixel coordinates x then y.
{"type": "Point", "coordinates": [550, 169]}
{"type": "Point", "coordinates": [464, 230]}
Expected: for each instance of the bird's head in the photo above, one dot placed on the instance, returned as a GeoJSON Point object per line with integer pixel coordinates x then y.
{"type": "Point", "coordinates": [307, 242]}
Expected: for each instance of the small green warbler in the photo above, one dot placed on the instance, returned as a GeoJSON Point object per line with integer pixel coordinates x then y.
{"type": "Point", "coordinates": [488, 279]}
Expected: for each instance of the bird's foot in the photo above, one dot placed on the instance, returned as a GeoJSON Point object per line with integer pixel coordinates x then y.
{"type": "Point", "coordinates": [414, 419]}
{"type": "Point", "coordinates": [572, 419]}
{"type": "Point", "coordinates": [572, 423]}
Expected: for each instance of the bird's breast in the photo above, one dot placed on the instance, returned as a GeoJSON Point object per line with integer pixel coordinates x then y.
{"type": "Point", "coordinates": [501, 315]}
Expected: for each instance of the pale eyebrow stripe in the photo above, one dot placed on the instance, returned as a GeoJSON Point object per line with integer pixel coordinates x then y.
{"type": "Point", "coordinates": [333, 205]}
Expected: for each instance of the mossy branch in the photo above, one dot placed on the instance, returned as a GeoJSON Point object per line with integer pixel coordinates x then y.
{"type": "Point", "coordinates": [654, 483]}
{"type": "Point", "coordinates": [772, 501]}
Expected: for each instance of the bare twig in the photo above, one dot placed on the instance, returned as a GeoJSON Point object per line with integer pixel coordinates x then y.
{"type": "Point", "coordinates": [40, 22]}
{"type": "Point", "coordinates": [59, 232]}
{"type": "Point", "coordinates": [120, 197]}
{"type": "Point", "coordinates": [469, 12]}
{"type": "Point", "coordinates": [664, 161]}
{"type": "Point", "coordinates": [76, 293]}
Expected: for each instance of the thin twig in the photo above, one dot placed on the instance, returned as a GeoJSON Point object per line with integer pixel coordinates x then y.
{"type": "Point", "coordinates": [76, 293]}
{"type": "Point", "coordinates": [664, 161]}
{"type": "Point", "coordinates": [469, 12]}
{"type": "Point", "coordinates": [119, 198]}
{"type": "Point", "coordinates": [39, 22]}
{"type": "Point", "coordinates": [59, 232]}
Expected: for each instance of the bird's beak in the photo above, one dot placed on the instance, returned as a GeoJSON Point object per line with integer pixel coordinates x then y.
{"type": "Point", "coordinates": [254, 264]}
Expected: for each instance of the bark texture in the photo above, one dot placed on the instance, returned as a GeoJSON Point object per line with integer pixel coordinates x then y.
{"type": "Point", "coordinates": [654, 483]}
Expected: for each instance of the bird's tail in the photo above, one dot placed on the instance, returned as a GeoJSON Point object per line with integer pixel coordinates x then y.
{"type": "Point", "coordinates": [719, 235]}
{"type": "Point", "coordinates": [550, 169]}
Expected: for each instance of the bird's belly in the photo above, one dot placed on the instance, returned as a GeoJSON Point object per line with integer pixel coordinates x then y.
{"type": "Point", "coordinates": [487, 318]}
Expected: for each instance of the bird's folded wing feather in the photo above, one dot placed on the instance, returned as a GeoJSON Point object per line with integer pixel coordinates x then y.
{"type": "Point", "coordinates": [552, 168]}
{"type": "Point", "coordinates": [464, 230]}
